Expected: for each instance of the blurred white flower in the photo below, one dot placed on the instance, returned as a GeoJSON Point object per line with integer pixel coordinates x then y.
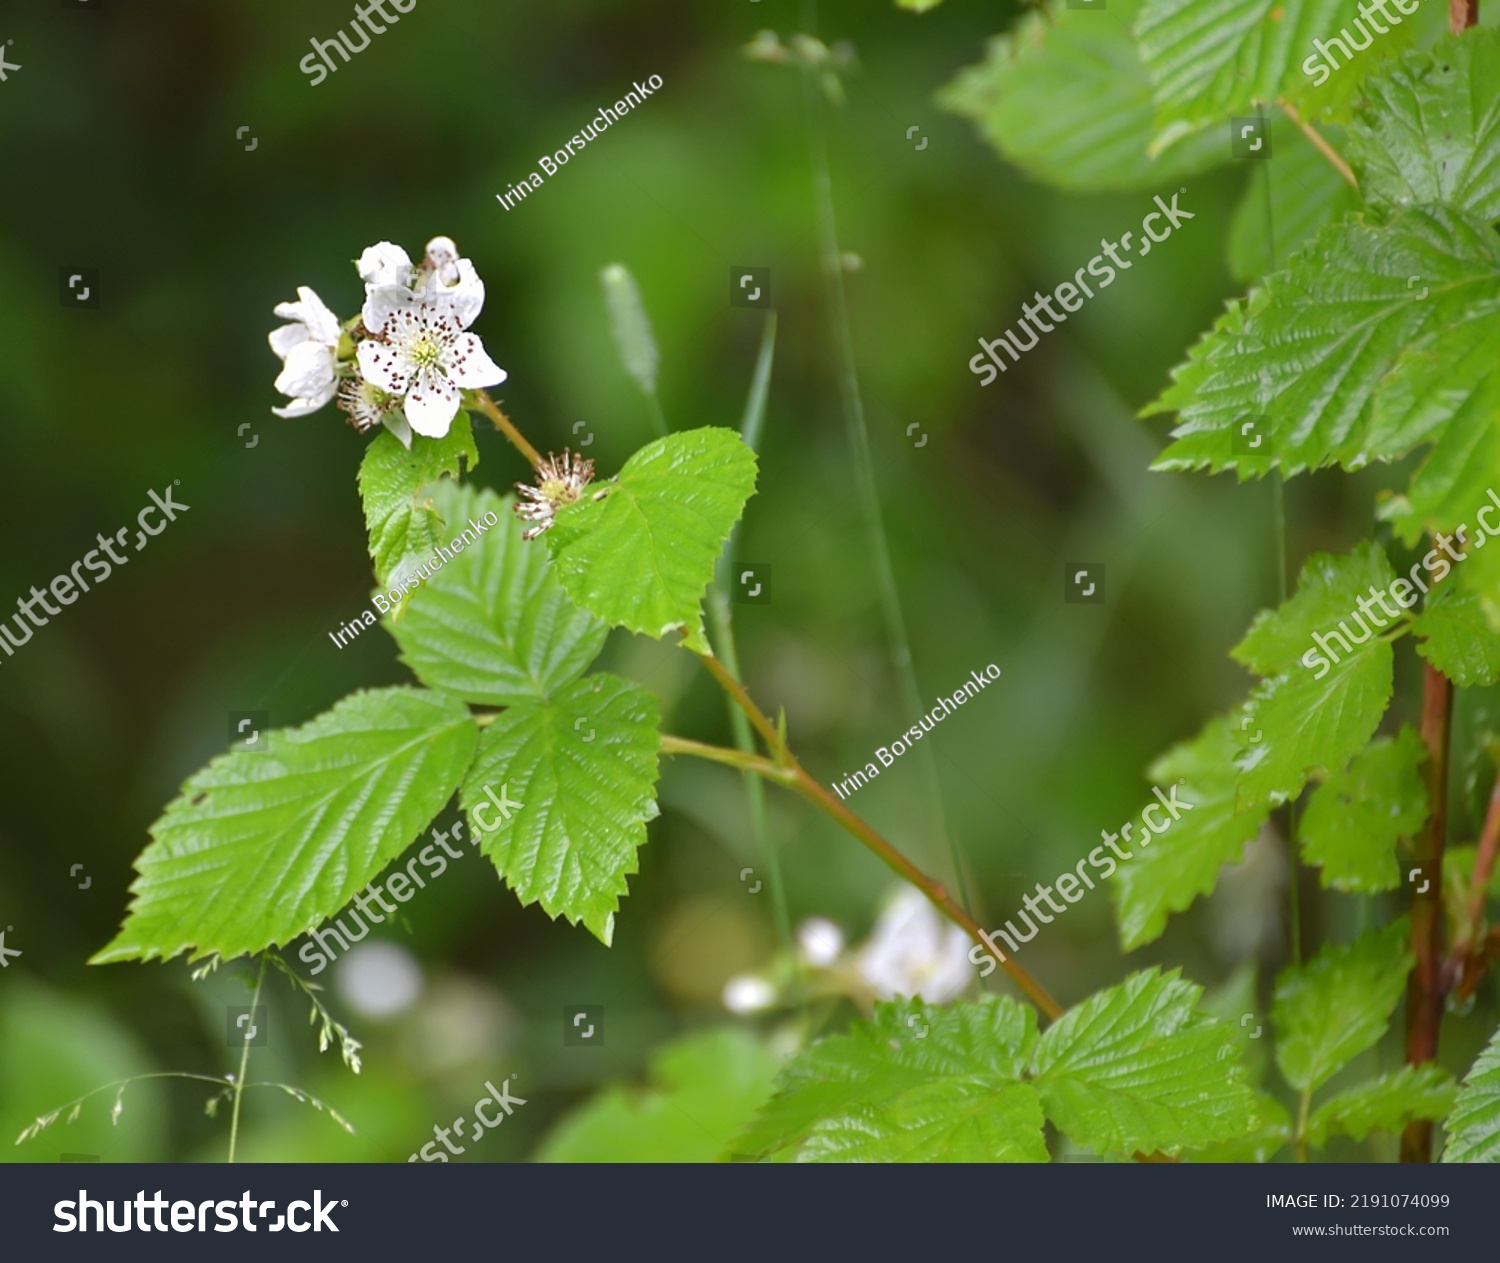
{"type": "Point", "coordinates": [820, 941]}
{"type": "Point", "coordinates": [914, 952]}
{"type": "Point", "coordinates": [459, 1022]}
{"type": "Point", "coordinates": [307, 349]}
{"type": "Point", "coordinates": [379, 979]}
{"type": "Point", "coordinates": [746, 993]}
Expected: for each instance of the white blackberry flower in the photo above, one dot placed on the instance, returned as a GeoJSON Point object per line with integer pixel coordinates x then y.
{"type": "Point", "coordinates": [418, 351]}
{"type": "Point", "coordinates": [308, 350]}
{"type": "Point", "coordinates": [913, 951]}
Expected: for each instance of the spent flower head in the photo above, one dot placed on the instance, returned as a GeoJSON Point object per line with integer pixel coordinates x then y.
{"type": "Point", "coordinates": [369, 406]}
{"type": "Point", "coordinates": [560, 481]}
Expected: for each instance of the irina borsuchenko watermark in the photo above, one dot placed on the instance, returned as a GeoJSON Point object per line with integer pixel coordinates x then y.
{"type": "Point", "coordinates": [846, 786]}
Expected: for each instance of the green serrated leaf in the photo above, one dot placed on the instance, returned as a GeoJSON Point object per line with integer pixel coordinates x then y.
{"type": "Point", "coordinates": [1329, 338]}
{"type": "Point", "coordinates": [1336, 1006]}
{"type": "Point", "coordinates": [1137, 1068]}
{"type": "Point", "coordinates": [1306, 195]}
{"type": "Point", "coordinates": [1474, 1125]}
{"type": "Point", "coordinates": [1210, 60]}
{"type": "Point", "coordinates": [1188, 377]}
{"type": "Point", "coordinates": [1444, 390]}
{"type": "Point", "coordinates": [917, 1083]}
{"type": "Point", "coordinates": [1065, 98]}
{"type": "Point", "coordinates": [1271, 1134]}
{"type": "Point", "coordinates": [1306, 724]}
{"type": "Point", "coordinates": [1235, 1002]}
{"type": "Point", "coordinates": [1355, 818]}
{"type": "Point", "coordinates": [493, 625]}
{"type": "Point", "coordinates": [704, 1090]}
{"type": "Point", "coordinates": [1185, 861]}
{"type": "Point", "coordinates": [404, 527]}
{"type": "Point", "coordinates": [1429, 130]}
{"type": "Point", "coordinates": [639, 552]}
{"type": "Point", "coordinates": [262, 846]}
{"type": "Point", "coordinates": [1457, 637]}
{"type": "Point", "coordinates": [1384, 1104]}
{"type": "Point", "coordinates": [1314, 713]}
{"type": "Point", "coordinates": [583, 767]}
{"type": "Point", "coordinates": [1329, 590]}
{"type": "Point", "coordinates": [954, 1120]}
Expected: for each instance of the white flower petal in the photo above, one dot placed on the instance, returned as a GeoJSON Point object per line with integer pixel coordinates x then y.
{"type": "Point", "coordinates": [321, 323]}
{"type": "Point", "coordinates": [385, 264]}
{"type": "Point", "coordinates": [949, 974]}
{"type": "Point", "coordinates": [383, 366]}
{"type": "Point", "coordinates": [301, 406]}
{"type": "Point", "coordinates": [469, 365]}
{"type": "Point", "coordinates": [467, 295]}
{"type": "Point", "coordinates": [309, 370]}
{"type": "Point", "coordinates": [282, 340]}
{"type": "Point", "coordinates": [310, 310]}
{"type": "Point", "coordinates": [431, 405]}
{"type": "Point", "coordinates": [381, 302]}
{"type": "Point", "coordinates": [396, 424]}
{"type": "Point", "coordinates": [462, 297]}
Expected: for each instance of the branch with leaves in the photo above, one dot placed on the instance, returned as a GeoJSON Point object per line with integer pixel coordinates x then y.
{"type": "Point", "coordinates": [500, 606]}
{"type": "Point", "coordinates": [1368, 335]}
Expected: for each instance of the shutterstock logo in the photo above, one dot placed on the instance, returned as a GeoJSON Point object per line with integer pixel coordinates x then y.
{"type": "Point", "coordinates": [75, 1216]}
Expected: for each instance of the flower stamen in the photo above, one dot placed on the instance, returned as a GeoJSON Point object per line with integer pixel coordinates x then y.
{"type": "Point", "coordinates": [560, 481]}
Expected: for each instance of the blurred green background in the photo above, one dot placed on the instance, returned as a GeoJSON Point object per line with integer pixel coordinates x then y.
{"type": "Point", "coordinates": [118, 139]}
